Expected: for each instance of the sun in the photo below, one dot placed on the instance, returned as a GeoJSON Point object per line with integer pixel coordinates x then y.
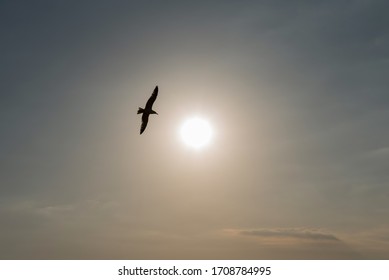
{"type": "Point", "coordinates": [196, 132]}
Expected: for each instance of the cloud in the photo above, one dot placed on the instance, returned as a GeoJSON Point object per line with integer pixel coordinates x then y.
{"type": "Point", "coordinates": [299, 233]}
{"type": "Point", "coordinates": [382, 152]}
{"type": "Point", "coordinates": [293, 243]}
{"type": "Point", "coordinates": [315, 243]}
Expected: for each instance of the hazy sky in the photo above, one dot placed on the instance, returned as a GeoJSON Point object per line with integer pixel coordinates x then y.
{"type": "Point", "coordinates": [297, 93]}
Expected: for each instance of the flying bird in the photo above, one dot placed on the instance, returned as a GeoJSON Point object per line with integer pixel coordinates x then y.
{"type": "Point", "coordinates": [148, 110]}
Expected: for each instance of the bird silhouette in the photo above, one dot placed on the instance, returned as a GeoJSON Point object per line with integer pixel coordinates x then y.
{"type": "Point", "coordinates": [148, 110]}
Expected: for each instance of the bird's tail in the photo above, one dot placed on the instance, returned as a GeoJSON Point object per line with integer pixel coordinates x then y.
{"type": "Point", "coordinates": [140, 110]}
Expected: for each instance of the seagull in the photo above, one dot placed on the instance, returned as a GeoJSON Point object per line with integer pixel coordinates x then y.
{"type": "Point", "coordinates": [147, 110]}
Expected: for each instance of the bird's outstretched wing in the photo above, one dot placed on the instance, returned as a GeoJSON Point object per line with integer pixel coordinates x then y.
{"type": "Point", "coordinates": [145, 120]}
{"type": "Point", "coordinates": [152, 98]}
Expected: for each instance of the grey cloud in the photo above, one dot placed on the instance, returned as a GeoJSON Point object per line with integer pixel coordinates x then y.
{"type": "Point", "coordinates": [299, 233]}
{"type": "Point", "coordinates": [382, 152]}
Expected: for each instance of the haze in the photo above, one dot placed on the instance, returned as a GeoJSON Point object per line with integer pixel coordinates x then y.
{"type": "Point", "coordinates": [297, 96]}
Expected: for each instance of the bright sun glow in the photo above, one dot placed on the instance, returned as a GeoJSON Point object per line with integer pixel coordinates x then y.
{"type": "Point", "coordinates": [196, 133]}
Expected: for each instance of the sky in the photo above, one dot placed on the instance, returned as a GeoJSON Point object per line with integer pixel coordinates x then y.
{"type": "Point", "coordinates": [297, 94]}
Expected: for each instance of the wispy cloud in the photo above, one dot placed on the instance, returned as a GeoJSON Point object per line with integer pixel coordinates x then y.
{"type": "Point", "coordinates": [300, 233]}
{"type": "Point", "coordinates": [382, 152]}
{"type": "Point", "coordinates": [294, 243]}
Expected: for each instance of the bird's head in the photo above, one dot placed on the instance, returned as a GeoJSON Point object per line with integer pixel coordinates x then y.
{"type": "Point", "coordinates": [153, 112]}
